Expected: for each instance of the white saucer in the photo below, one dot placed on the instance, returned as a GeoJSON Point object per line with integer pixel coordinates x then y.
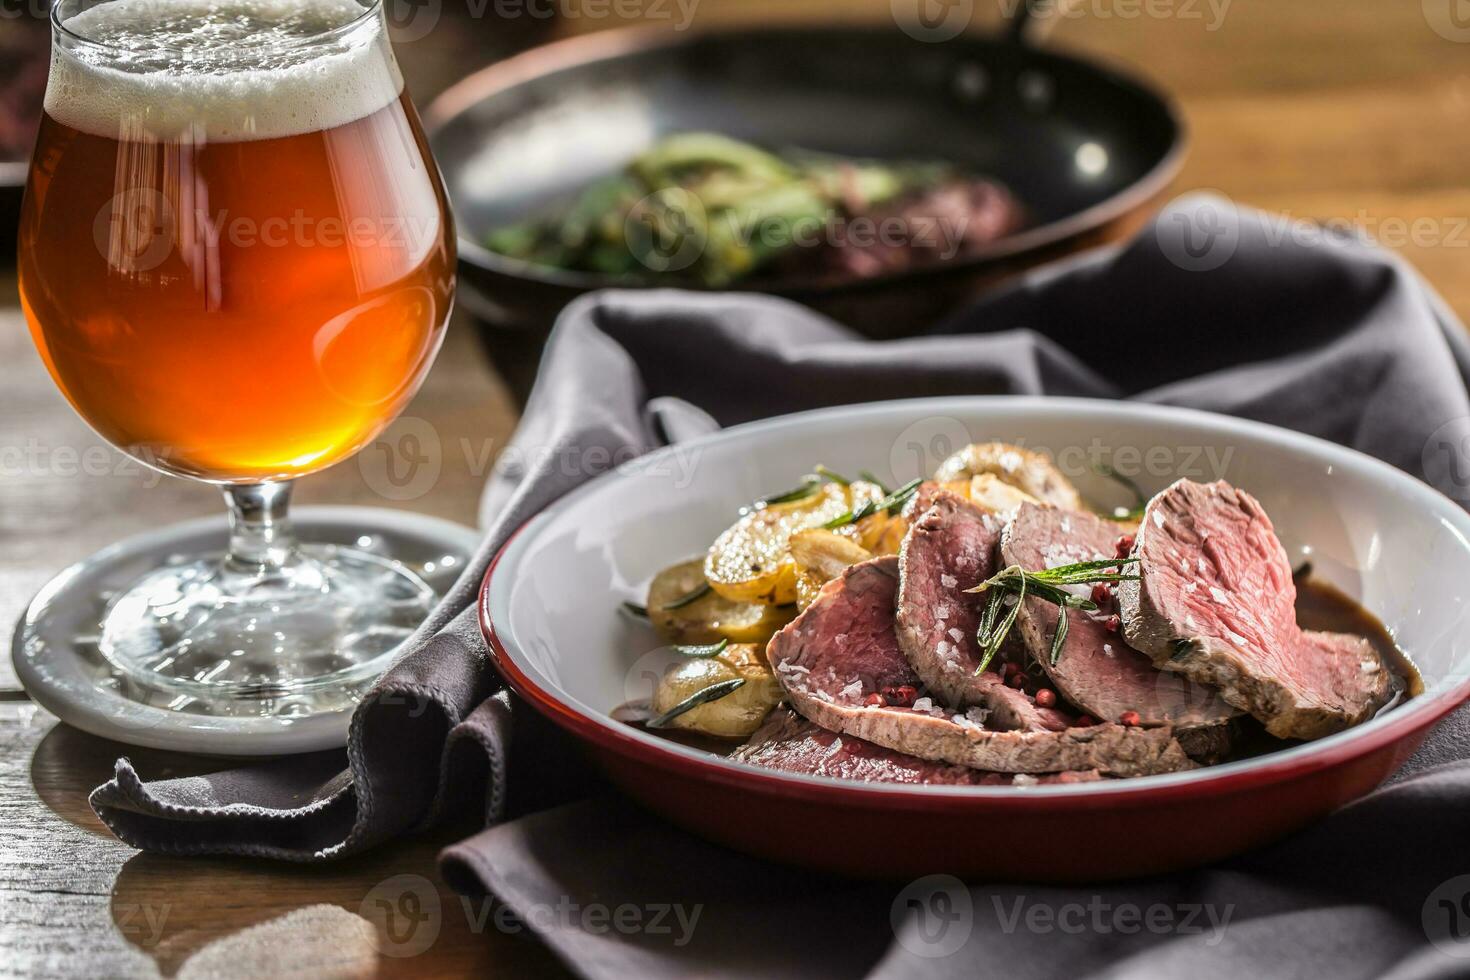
{"type": "Point", "coordinates": [72, 681]}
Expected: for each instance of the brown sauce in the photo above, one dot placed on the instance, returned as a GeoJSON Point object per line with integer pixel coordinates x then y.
{"type": "Point", "coordinates": [1322, 606]}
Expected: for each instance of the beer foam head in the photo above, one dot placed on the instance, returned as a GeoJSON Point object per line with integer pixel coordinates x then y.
{"type": "Point", "coordinates": [220, 69]}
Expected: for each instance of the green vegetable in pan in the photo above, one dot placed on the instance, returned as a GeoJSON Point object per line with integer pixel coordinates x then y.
{"type": "Point", "coordinates": [705, 208]}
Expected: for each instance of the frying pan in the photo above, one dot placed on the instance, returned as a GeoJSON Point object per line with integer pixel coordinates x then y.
{"type": "Point", "coordinates": [1087, 149]}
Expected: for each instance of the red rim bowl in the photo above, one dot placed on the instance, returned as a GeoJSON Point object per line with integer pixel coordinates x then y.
{"type": "Point", "coordinates": [1091, 830]}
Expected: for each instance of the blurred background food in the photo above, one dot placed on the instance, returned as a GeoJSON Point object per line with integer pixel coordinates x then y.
{"type": "Point", "coordinates": [23, 59]}
{"type": "Point", "coordinates": [761, 216]}
{"type": "Point", "coordinates": [24, 54]}
{"type": "Point", "coordinates": [869, 173]}
{"type": "Point", "coordinates": [1350, 111]}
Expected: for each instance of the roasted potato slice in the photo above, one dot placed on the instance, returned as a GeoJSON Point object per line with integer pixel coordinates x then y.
{"type": "Point", "coordinates": [824, 554]}
{"type": "Point", "coordinates": [711, 617]}
{"type": "Point", "coordinates": [820, 556]}
{"type": "Point", "coordinates": [807, 587]}
{"type": "Point", "coordinates": [1021, 468]}
{"type": "Point", "coordinates": [990, 493]}
{"type": "Point", "coordinates": [876, 532]}
{"type": "Point", "coordinates": [960, 488]}
{"type": "Point", "coordinates": [751, 560]}
{"type": "Point", "coordinates": [737, 714]}
{"type": "Point", "coordinates": [882, 534]}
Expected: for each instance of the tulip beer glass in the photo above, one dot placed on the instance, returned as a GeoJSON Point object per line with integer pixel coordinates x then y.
{"type": "Point", "coordinates": [236, 261]}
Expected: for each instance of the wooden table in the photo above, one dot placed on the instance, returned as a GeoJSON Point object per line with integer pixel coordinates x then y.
{"type": "Point", "coordinates": [1346, 109]}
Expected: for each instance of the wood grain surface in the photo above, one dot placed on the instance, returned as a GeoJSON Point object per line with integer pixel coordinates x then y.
{"type": "Point", "coordinates": [1354, 110]}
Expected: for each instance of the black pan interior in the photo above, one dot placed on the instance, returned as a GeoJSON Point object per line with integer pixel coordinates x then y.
{"type": "Point", "coordinates": [1064, 134]}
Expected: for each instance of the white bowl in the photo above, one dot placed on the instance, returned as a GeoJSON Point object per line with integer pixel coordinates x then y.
{"type": "Point", "coordinates": [551, 602]}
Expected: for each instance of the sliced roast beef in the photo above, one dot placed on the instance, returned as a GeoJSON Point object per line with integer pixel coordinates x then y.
{"type": "Point", "coordinates": [789, 743]}
{"type": "Point", "coordinates": [1216, 603]}
{"type": "Point", "coordinates": [1096, 670]}
{"type": "Point", "coordinates": [839, 657]}
{"type": "Point", "coordinates": [949, 548]}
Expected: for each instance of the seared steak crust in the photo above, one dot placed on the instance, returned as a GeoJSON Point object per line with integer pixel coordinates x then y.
{"type": "Point", "coordinates": [787, 742]}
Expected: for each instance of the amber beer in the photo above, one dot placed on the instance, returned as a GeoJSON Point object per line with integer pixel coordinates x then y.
{"type": "Point", "coordinates": [236, 268]}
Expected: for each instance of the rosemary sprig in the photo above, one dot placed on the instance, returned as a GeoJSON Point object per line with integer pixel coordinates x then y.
{"type": "Point", "coordinates": [987, 621]}
{"type": "Point", "coordinates": [1048, 584]}
{"type": "Point", "coordinates": [1060, 636]}
{"type": "Point", "coordinates": [689, 598]}
{"type": "Point", "coordinates": [712, 693]}
{"type": "Point", "coordinates": [891, 503]}
{"type": "Point", "coordinates": [1085, 572]}
{"type": "Point", "coordinates": [812, 483]}
{"type": "Point", "coordinates": [990, 640]}
{"type": "Point", "coordinates": [895, 501]}
{"type": "Point", "coordinates": [701, 650]}
{"type": "Point", "coordinates": [1140, 499]}
{"type": "Point", "coordinates": [809, 486]}
{"type": "Point", "coordinates": [833, 476]}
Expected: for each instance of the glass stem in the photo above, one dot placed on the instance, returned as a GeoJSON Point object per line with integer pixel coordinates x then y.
{"type": "Point", "coordinates": [262, 543]}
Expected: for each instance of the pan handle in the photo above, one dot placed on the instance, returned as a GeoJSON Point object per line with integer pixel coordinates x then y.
{"type": "Point", "coordinates": [1027, 27]}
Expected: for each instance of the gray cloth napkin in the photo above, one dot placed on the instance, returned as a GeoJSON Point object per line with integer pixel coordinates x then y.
{"type": "Point", "coordinates": [1211, 306]}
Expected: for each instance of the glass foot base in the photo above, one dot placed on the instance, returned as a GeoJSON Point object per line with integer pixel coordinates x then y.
{"type": "Point", "coordinates": [326, 623]}
{"type": "Point", "coordinates": [57, 655]}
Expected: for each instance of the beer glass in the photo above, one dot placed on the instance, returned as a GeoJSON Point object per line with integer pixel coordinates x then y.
{"type": "Point", "coordinates": [236, 261]}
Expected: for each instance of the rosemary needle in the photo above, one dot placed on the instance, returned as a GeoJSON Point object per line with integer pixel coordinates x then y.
{"type": "Point", "coordinates": [833, 476]}
{"type": "Point", "coordinates": [702, 649]}
{"type": "Point", "coordinates": [894, 501]}
{"type": "Point", "coordinates": [1047, 584]}
{"type": "Point", "coordinates": [809, 486]}
{"type": "Point", "coordinates": [712, 693]}
{"type": "Point", "coordinates": [1140, 499]}
{"type": "Point", "coordinates": [689, 598]}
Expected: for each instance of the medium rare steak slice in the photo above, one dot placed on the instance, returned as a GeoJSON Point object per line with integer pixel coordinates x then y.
{"type": "Point", "coordinates": [1096, 670]}
{"type": "Point", "coordinates": [1217, 604]}
{"type": "Point", "coordinates": [949, 548]}
{"type": "Point", "coordinates": [789, 743]}
{"type": "Point", "coordinates": [841, 654]}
